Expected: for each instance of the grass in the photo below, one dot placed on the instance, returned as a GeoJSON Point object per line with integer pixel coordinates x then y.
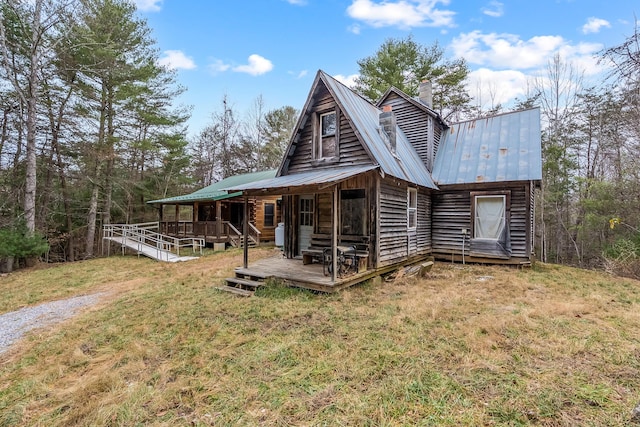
{"type": "Point", "coordinates": [467, 345]}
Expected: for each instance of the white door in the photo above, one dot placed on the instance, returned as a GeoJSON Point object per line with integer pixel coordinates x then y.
{"type": "Point", "coordinates": [305, 222]}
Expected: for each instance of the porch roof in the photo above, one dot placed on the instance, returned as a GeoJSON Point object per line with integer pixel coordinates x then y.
{"type": "Point", "coordinates": [283, 184]}
{"type": "Point", "coordinates": [217, 190]}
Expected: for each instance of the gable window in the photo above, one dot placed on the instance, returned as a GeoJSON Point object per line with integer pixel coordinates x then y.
{"type": "Point", "coordinates": [412, 208]}
{"type": "Point", "coordinates": [489, 216]}
{"type": "Point", "coordinates": [326, 143]}
{"type": "Point", "coordinates": [269, 214]}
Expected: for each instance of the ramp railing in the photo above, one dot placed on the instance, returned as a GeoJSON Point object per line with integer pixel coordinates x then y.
{"type": "Point", "coordinates": [145, 239]}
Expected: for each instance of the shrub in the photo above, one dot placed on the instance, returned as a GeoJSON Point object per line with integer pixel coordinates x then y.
{"type": "Point", "coordinates": [17, 242]}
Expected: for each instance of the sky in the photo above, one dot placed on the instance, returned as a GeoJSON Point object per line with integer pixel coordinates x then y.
{"type": "Point", "coordinates": [243, 49]}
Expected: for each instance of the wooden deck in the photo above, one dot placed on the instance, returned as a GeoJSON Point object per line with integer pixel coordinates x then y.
{"type": "Point", "coordinates": [307, 276]}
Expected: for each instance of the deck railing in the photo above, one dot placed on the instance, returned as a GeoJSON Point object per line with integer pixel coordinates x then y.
{"type": "Point", "coordinates": [209, 229]}
{"type": "Point", "coordinates": [146, 234]}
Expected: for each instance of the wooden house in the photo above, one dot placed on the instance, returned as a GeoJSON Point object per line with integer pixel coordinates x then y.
{"type": "Point", "coordinates": [217, 215]}
{"type": "Point", "coordinates": [374, 185]}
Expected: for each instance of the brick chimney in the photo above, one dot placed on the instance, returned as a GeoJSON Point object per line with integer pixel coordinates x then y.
{"type": "Point", "coordinates": [388, 125]}
{"type": "Point", "coordinates": [425, 93]}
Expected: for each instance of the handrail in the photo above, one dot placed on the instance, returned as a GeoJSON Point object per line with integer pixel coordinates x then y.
{"type": "Point", "coordinates": [142, 234]}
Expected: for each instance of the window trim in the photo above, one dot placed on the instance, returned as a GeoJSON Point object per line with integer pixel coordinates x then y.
{"type": "Point", "coordinates": [319, 137]}
{"type": "Point", "coordinates": [412, 211]}
{"type": "Point", "coordinates": [475, 195]}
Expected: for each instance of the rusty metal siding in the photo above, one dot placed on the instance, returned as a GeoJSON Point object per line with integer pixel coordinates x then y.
{"type": "Point", "coordinates": [501, 148]}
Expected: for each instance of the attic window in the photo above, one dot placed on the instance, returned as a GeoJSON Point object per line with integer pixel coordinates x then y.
{"type": "Point", "coordinates": [328, 124]}
{"type": "Point", "coordinates": [327, 135]}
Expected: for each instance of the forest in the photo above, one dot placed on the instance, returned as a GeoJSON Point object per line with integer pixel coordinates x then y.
{"type": "Point", "coordinates": [90, 131]}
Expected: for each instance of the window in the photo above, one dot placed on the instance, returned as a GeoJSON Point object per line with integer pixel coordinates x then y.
{"type": "Point", "coordinates": [326, 145]}
{"type": "Point", "coordinates": [489, 217]}
{"type": "Point", "coordinates": [306, 212]}
{"type": "Point", "coordinates": [328, 124]}
{"type": "Point", "coordinates": [169, 212]}
{"type": "Point", "coordinates": [269, 214]}
{"type": "Point", "coordinates": [185, 213]}
{"type": "Point", "coordinates": [412, 208]}
{"type": "Point", "coordinates": [353, 212]}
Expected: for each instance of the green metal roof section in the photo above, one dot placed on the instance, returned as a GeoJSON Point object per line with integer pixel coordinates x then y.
{"type": "Point", "coordinates": [216, 191]}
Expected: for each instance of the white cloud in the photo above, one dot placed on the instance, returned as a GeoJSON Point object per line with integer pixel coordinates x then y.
{"type": "Point", "coordinates": [218, 66]}
{"type": "Point", "coordinates": [491, 88]}
{"type": "Point", "coordinates": [148, 5]}
{"type": "Point", "coordinates": [297, 2]}
{"type": "Point", "coordinates": [257, 65]}
{"type": "Point", "coordinates": [176, 59]}
{"type": "Point", "coordinates": [349, 81]}
{"type": "Point", "coordinates": [594, 25]}
{"type": "Point", "coordinates": [401, 13]}
{"type": "Point", "coordinates": [298, 74]}
{"type": "Point", "coordinates": [355, 28]}
{"type": "Point", "coordinates": [509, 51]}
{"type": "Point", "coordinates": [495, 9]}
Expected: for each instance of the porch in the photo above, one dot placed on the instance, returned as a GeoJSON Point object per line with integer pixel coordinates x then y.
{"type": "Point", "coordinates": [211, 231]}
{"type": "Point", "coordinates": [307, 276]}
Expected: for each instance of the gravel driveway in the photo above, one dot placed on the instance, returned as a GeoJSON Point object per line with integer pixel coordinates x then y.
{"type": "Point", "coordinates": [16, 323]}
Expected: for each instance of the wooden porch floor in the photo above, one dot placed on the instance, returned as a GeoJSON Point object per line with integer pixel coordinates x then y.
{"type": "Point", "coordinates": [309, 276]}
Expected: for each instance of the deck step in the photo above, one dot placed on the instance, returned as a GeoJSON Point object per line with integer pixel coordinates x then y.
{"type": "Point", "coordinates": [244, 273]}
{"type": "Point", "coordinates": [236, 291]}
{"type": "Point", "coordinates": [253, 284]}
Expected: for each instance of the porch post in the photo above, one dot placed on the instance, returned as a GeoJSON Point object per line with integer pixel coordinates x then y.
{"type": "Point", "coordinates": [334, 234]}
{"type": "Point", "coordinates": [218, 218]}
{"type": "Point", "coordinates": [245, 232]}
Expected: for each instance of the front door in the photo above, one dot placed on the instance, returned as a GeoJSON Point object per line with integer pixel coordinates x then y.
{"type": "Point", "coordinates": [237, 215]}
{"type": "Point", "coordinates": [305, 222]}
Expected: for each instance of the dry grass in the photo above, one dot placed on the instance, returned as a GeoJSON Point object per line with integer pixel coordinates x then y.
{"type": "Point", "coordinates": [465, 346]}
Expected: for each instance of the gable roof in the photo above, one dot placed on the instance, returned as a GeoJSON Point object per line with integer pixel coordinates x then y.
{"type": "Point", "coordinates": [364, 117]}
{"type": "Point", "coordinates": [416, 102]}
{"type": "Point", "coordinates": [505, 147]}
{"type": "Point", "coordinates": [217, 191]}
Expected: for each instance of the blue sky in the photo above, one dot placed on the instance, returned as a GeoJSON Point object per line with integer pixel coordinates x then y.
{"type": "Point", "coordinates": [273, 48]}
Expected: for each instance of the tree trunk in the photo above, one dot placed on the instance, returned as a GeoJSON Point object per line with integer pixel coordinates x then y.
{"type": "Point", "coordinates": [91, 221]}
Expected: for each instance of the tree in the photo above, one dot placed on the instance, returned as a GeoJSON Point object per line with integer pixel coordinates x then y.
{"type": "Point", "coordinates": [24, 45]}
{"type": "Point", "coordinates": [403, 63]}
{"type": "Point", "coordinates": [278, 126]}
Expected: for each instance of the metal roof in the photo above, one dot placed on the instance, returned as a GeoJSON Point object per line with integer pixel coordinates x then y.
{"type": "Point", "coordinates": [405, 162]}
{"type": "Point", "coordinates": [217, 191]}
{"type": "Point", "coordinates": [316, 177]}
{"type": "Point", "coordinates": [501, 148]}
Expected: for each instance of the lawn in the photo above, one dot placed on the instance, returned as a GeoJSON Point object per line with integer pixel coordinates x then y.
{"type": "Point", "coordinates": [467, 345]}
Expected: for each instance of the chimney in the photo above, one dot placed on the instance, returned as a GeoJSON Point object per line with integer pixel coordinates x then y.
{"type": "Point", "coordinates": [425, 93]}
{"type": "Point", "coordinates": [388, 125]}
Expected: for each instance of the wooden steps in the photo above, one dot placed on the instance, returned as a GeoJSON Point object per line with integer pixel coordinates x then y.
{"type": "Point", "coordinates": [242, 285]}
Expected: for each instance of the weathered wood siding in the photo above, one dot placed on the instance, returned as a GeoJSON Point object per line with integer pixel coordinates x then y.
{"type": "Point", "coordinates": [396, 242]}
{"type": "Point", "coordinates": [420, 127]}
{"type": "Point", "coordinates": [349, 149]}
{"type": "Point", "coordinates": [451, 212]}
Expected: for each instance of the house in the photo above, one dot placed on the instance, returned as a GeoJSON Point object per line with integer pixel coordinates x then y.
{"type": "Point", "coordinates": [217, 215]}
{"type": "Point", "coordinates": [386, 185]}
